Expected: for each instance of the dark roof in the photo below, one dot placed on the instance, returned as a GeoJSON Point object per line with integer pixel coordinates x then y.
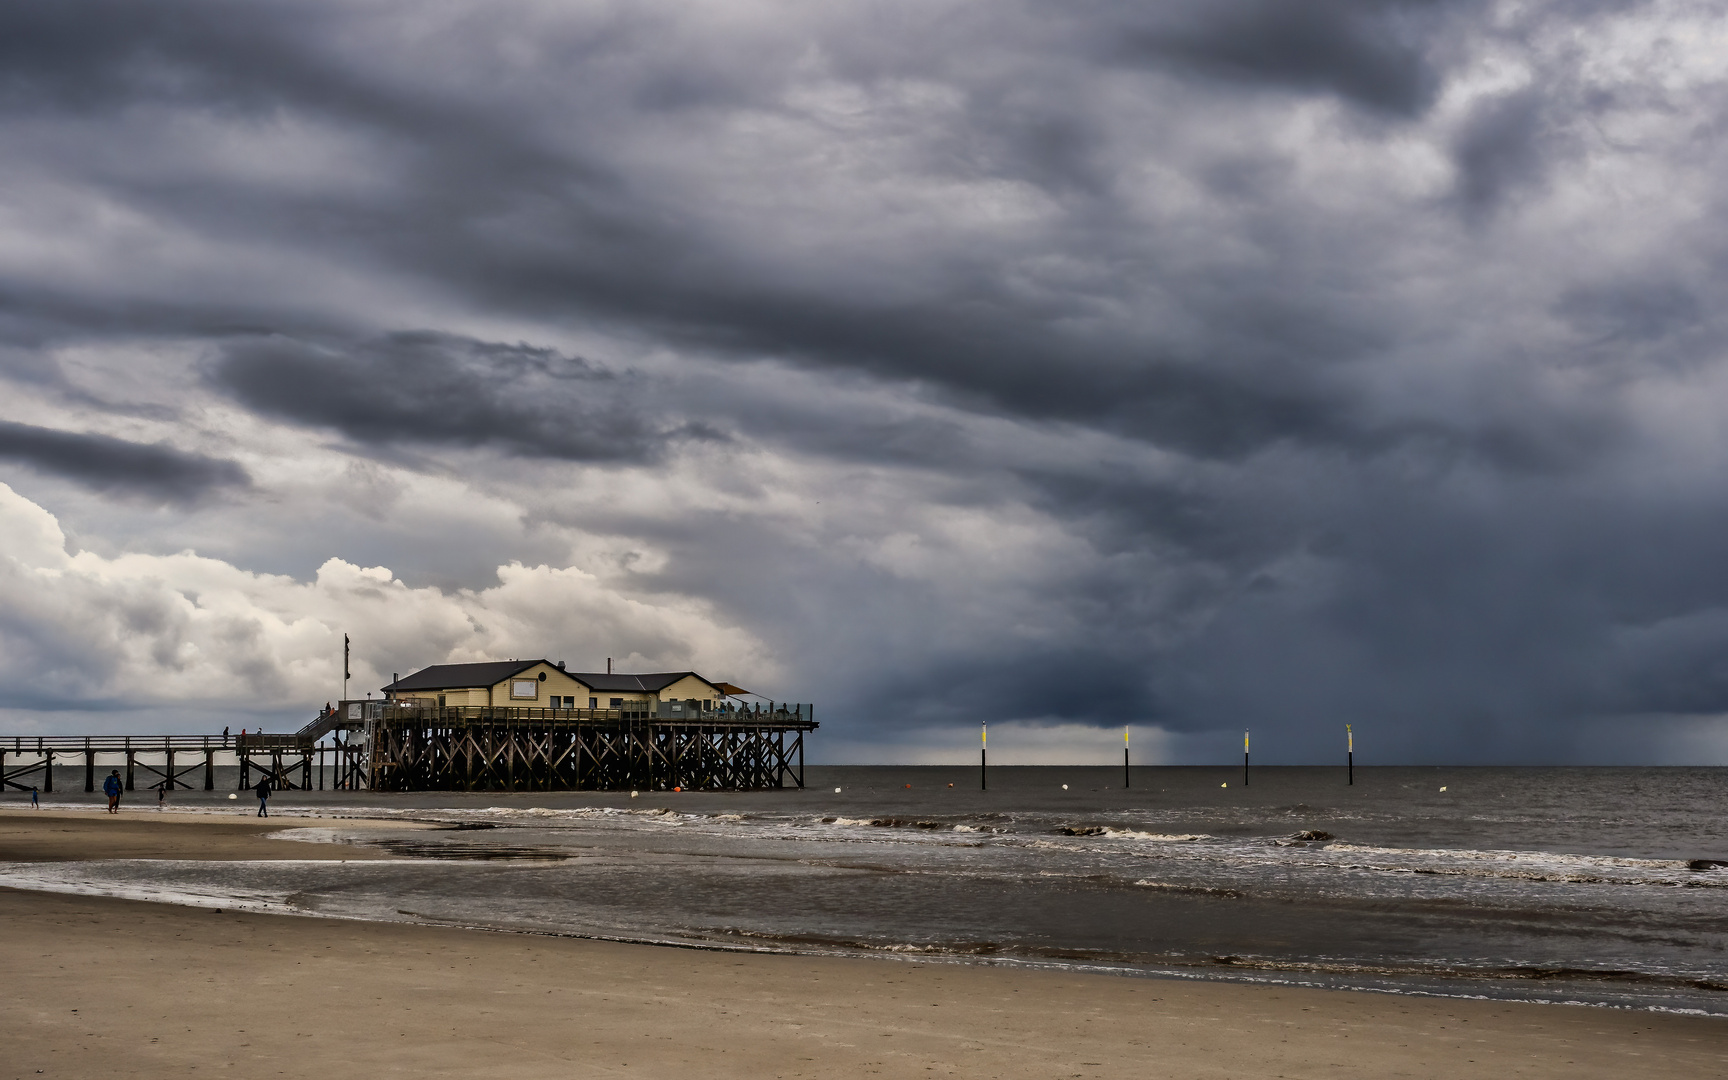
{"type": "Point", "coordinates": [457, 676]}
{"type": "Point", "coordinates": [630, 684]}
{"type": "Point", "coordinates": [491, 673]}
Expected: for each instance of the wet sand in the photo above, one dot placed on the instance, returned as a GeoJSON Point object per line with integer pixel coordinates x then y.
{"type": "Point", "coordinates": [66, 835]}
{"type": "Point", "coordinates": [98, 986]}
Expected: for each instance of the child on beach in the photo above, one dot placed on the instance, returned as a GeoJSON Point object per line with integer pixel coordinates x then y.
{"type": "Point", "coordinates": [111, 787]}
{"type": "Point", "coordinates": [35, 803]}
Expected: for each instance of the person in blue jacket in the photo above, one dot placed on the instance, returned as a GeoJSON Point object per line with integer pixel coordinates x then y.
{"type": "Point", "coordinates": [111, 787]}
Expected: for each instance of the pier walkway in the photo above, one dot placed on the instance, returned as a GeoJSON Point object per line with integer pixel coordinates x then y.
{"type": "Point", "coordinates": [406, 746]}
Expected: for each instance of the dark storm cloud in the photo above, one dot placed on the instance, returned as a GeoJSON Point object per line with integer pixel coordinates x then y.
{"type": "Point", "coordinates": [497, 209]}
{"type": "Point", "coordinates": [1631, 312]}
{"type": "Point", "coordinates": [1373, 53]}
{"type": "Point", "coordinates": [438, 389]}
{"type": "Point", "coordinates": [1498, 150]}
{"type": "Point", "coordinates": [148, 471]}
{"type": "Point", "coordinates": [1329, 404]}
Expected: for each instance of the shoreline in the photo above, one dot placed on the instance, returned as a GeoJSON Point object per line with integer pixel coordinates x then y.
{"type": "Point", "coordinates": [155, 989]}
{"type": "Point", "coordinates": [158, 990]}
{"type": "Point", "coordinates": [229, 833]}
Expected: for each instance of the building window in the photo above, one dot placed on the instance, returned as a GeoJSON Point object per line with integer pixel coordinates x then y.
{"type": "Point", "coordinates": [524, 689]}
{"type": "Point", "coordinates": [617, 703]}
{"type": "Point", "coordinates": [593, 703]}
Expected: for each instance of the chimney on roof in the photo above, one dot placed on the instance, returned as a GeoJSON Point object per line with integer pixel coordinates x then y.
{"type": "Point", "coordinates": [560, 665]}
{"type": "Point", "coordinates": [608, 665]}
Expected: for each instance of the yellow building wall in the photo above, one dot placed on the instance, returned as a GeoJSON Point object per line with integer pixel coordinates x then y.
{"type": "Point", "coordinates": [555, 684]}
{"type": "Point", "coordinates": [689, 687]}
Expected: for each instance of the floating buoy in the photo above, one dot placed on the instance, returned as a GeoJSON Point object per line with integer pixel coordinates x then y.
{"type": "Point", "coordinates": [231, 795]}
{"type": "Point", "coordinates": [1442, 788]}
{"type": "Point", "coordinates": [950, 785]}
{"type": "Point", "coordinates": [632, 794]}
{"type": "Point", "coordinates": [836, 791]}
{"type": "Point", "coordinates": [677, 789]}
{"type": "Point", "coordinates": [1064, 787]}
{"type": "Point", "coordinates": [908, 786]}
{"type": "Point", "coordinates": [1223, 785]}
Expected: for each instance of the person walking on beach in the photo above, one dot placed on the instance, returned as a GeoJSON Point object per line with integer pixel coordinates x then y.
{"type": "Point", "coordinates": [263, 793]}
{"type": "Point", "coordinates": [35, 803]}
{"type": "Point", "coordinates": [111, 787]}
{"type": "Point", "coordinates": [161, 794]}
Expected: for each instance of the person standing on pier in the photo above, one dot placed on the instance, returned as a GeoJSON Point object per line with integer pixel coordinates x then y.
{"type": "Point", "coordinates": [111, 787]}
{"type": "Point", "coordinates": [263, 793]}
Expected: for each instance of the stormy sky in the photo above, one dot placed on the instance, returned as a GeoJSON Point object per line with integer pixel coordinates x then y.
{"type": "Point", "coordinates": [1196, 366]}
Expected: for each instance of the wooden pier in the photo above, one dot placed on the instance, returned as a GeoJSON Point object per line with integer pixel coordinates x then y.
{"type": "Point", "coordinates": [501, 749]}
{"type": "Point", "coordinates": [27, 758]}
{"type": "Point", "coordinates": [291, 762]}
{"type": "Point", "coordinates": [404, 746]}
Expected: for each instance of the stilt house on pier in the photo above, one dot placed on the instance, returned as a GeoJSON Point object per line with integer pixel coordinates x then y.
{"type": "Point", "coordinates": [533, 725]}
{"type": "Point", "coordinates": [507, 725]}
{"type": "Point", "coordinates": [547, 685]}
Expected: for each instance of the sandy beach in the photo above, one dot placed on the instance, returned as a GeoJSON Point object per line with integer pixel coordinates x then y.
{"type": "Point", "coordinates": [100, 986]}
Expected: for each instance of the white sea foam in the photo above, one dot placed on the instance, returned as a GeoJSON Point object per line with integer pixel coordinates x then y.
{"type": "Point", "coordinates": [93, 879]}
{"type": "Point", "coordinates": [1166, 838]}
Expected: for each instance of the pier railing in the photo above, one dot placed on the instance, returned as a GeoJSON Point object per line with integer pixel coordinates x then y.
{"type": "Point", "coordinates": [663, 712]}
{"type": "Point", "coordinates": [32, 764]}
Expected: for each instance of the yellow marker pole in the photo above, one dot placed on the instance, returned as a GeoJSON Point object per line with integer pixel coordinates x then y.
{"type": "Point", "coordinates": [983, 757]}
{"type": "Point", "coordinates": [1244, 759]}
{"type": "Point", "coordinates": [1125, 782]}
{"type": "Point", "coordinates": [1349, 754]}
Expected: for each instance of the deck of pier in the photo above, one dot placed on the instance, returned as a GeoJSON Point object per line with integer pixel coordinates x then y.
{"type": "Point", "coordinates": [397, 746]}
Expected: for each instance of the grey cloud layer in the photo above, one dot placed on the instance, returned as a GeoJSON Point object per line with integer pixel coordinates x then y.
{"type": "Point", "coordinates": [430, 388]}
{"type": "Point", "coordinates": [154, 472]}
{"type": "Point", "coordinates": [1346, 355]}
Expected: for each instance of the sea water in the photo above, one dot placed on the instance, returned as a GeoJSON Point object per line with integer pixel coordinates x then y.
{"type": "Point", "coordinates": [1598, 886]}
